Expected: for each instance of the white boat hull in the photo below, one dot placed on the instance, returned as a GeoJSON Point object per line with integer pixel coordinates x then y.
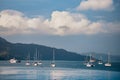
{"type": "Point", "coordinates": [40, 63]}
{"type": "Point", "coordinates": [27, 63]}
{"type": "Point", "coordinates": [35, 64]}
{"type": "Point", "coordinates": [53, 65]}
{"type": "Point", "coordinates": [100, 62]}
{"type": "Point", "coordinates": [108, 65]}
{"type": "Point", "coordinates": [89, 65]}
{"type": "Point", "coordinates": [13, 61]}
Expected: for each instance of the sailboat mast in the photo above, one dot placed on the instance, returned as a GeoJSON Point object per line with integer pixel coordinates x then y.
{"type": "Point", "coordinates": [35, 56]}
{"type": "Point", "coordinates": [108, 57]}
{"type": "Point", "coordinates": [53, 54]}
{"type": "Point", "coordinates": [86, 58]}
{"type": "Point", "coordinates": [38, 55]}
{"type": "Point", "coordinates": [90, 56]}
{"type": "Point", "coordinates": [28, 56]}
{"type": "Point", "coordinates": [101, 58]}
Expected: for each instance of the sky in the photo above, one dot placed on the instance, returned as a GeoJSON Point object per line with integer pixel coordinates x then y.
{"type": "Point", "coordinates": [75, 25]}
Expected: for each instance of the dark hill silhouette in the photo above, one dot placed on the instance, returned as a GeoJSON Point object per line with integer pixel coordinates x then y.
{"type": "Point", "coordinates": [20, 51]}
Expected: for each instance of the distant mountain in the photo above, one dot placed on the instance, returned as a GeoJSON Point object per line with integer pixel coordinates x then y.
{"type": "Point", "coordinates": [20, 51]}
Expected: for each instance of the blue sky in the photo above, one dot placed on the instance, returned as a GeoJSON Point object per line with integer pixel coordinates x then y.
{"type": "Point", "coordinates": [75, 25]}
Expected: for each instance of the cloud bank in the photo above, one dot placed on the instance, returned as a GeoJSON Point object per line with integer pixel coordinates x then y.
{"type": "Point", "coordinates": [60, 23]}
{"type": "Point", "coordinates": [96, 5]}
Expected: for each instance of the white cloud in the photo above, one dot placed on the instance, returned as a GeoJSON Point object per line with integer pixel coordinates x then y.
{"type": "Point", "coordinates": [14, 22]}
{"type": "Point", "coordinates": [60, 23]}
{"type": "Point", "coordinates": [96, 5]}
{"type": "Point", "coordinates": [66, 23]}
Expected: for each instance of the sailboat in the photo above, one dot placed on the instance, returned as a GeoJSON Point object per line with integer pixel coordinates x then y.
{"type": "Point", "coordinates": [108, 64]}
{"type": "Point", "coordinates": [35, 59]}
{"type": "Point", "coordinates": [39, 62]}
{"type": "Point", "coordinates": [89, 64]}
{"type": "Point", "coordinates": [13, 60]}
{"type": "Point", "coordinates": [28, 61]}
{"type": "Point", "coordinates": [53, 61]}
{"type": "Point", "coordinates": [100, 61]}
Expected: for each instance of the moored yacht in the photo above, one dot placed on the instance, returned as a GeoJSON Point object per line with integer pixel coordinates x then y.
{"type": "Point", "coordinates": [35, 64]}
{"type": "Point", "coordinates": [13, 60]}
{"type": "Point", "coordinates": [53, 61]}
{"type": "Point", "coordinates": [40, 63]}
{"type": "Point", "coordinates": [28, 60]}
{"type": "Point", "coordinates": [35, 59]}
{"type": "Point", "coordinates": [27, 63]}
{"type": "Point", "coordinates": [100, 61]}
{"type": "Point", "coordinates": [53, 65]}
{"type": "Point", "coordinates": [89, 64]}
{"type": "Point", "coordinates": [108, 64]}
{"type": "Point", "coordinates": [39, 57]}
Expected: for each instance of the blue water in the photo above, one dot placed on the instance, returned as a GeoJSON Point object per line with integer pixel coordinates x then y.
{"type": "Point", "coordinates": [45, 72]}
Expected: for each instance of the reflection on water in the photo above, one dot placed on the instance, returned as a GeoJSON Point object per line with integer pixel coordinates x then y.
{"type": "Point", "coordinates": [38, 73]}
{"type": "Point", "coordinates": [57, 73]}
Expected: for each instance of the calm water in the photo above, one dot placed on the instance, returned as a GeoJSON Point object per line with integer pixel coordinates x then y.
{"type": "Point", "coordinates": [72, 70]}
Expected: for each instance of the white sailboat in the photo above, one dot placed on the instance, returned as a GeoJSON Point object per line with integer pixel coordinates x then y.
{"type": "Point", "coordinates": [108, 64]}
{"type": "Point", "coordinates": [100, 61]}
{"type": "Point", "coordinates": [53, 61]}
{"type": "Point", "coordinates": [28, 60]}
{"type": "Point", "coordinates": [39, 62]}
{"type": "Point", "coordinates": [89, 64]}
{"type": "Point", "coordinates": [35, 59]}
{"type": "Point", "coordinates": [35, 64]}
{"type": "Point", "coordinates": [13, 60]}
